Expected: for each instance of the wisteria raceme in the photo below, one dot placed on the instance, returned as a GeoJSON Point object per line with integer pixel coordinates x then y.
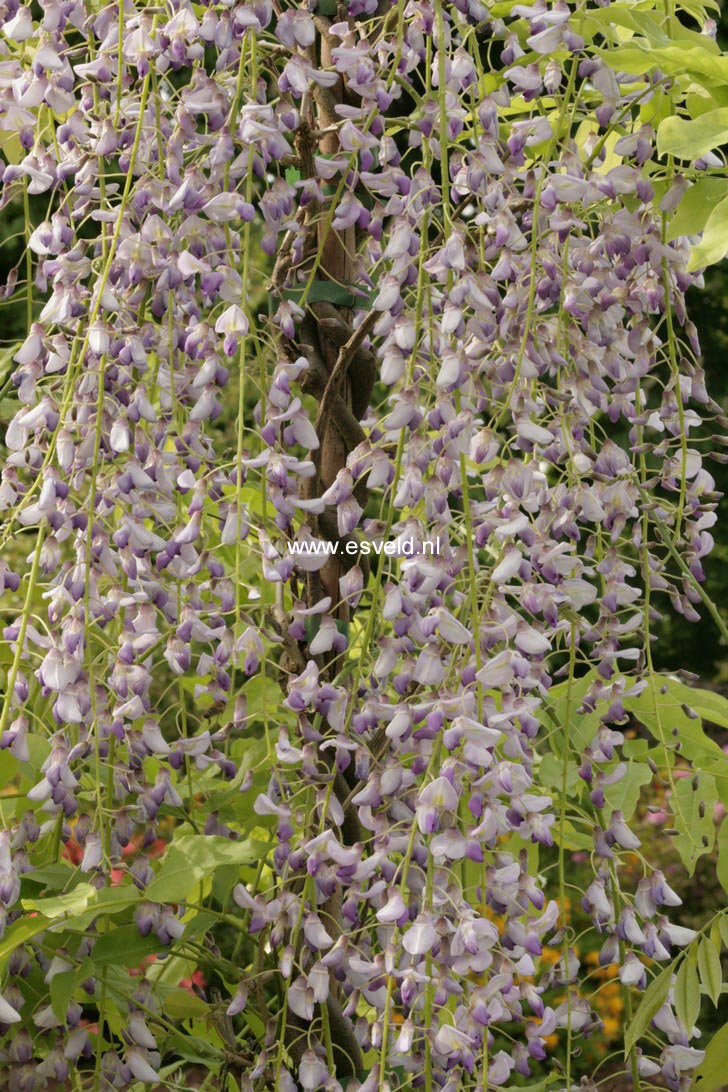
{"type": "Point", "coordinates": [368, 273]}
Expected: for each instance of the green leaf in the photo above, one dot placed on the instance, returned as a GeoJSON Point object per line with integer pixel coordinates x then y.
{"type": "Point", "coordinates": [332, 292]}
{"type": "Point", "coordinates": [652, 999]}
{"type": "Point", "coordinates": [8, 762]}
{"type": "Point", "coordinates": [63, 987]}
{"type": "Point", "coordinates": [180, 1004]}
{"type": "Point", "coordinates": [710, 1074]}
{"type": "Point", "coordinates": [194, 857]}
{"type": "Point", "coordinates": [708, 704]}
{"type": "Point", "coordinates": [625, 793]}
{"type": "Point", "coordinates": [54, 877]}
{"type": "Point", "coordinates": [20, 932]}
{"type": "Point", "coordinates": [687, 991]}
{"type": "Point", "coordinates": [539, 1086]}
{"type": "Point", "coordinates": [711, 972]}
{"type": "Point", "coordinates": [58, 906]}
{"type": "Point", "coordinates": [636, 748]}
{"type": "Point", "coordinates": [723, 927]}
{"type": "Point", "coordinates": [109, 900]}
{"type": "Point", "coordinates": [260, 692]}
{"type": "Point", "coordinates": [696, 832]}
{"type": "Point", "coordinates": [124, 946]}
{"type": "Point", "coordinates": [551, 772]}
{"type": "Point", "coordinates": [573, 840]}
{"type": "Point", "coordinates": [564, 701]}
{"type": "Point", "coordinates": [223, 882]}
{"type": "Point", "coordinates": [715, 935]}
{"type": "Point", "coordinates": [665, 718]}
{"type": "Point", "coordinates": [714, 246]}
{"type": "Point", "coordinates": [674, 60]}
{"type": "Point", "coordinates": [722, 868]}
{"type": "Point", "coordinates": [616, 15]}
{"type": "Point", "coordinates": [690, 218]}
{"type": "Point", "coordinates": [691, 139]}
{"type": "Point", "coordinates": [648, 26]}
{"type": "Point", "coordinates": [661, 708]}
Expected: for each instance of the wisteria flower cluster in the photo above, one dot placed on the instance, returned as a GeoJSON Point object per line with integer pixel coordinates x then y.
{"type": "Point", "coordinates": [347, 274]}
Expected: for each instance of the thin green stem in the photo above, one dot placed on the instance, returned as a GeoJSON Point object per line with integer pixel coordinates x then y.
{"type": "Point", "coordinates": [562, 838]}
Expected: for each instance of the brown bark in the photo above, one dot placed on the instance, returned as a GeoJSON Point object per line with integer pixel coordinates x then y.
{"type": "Point", "coordinates": [334, 354]}
{"type": "Point", "coordinates": [337, 263]}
